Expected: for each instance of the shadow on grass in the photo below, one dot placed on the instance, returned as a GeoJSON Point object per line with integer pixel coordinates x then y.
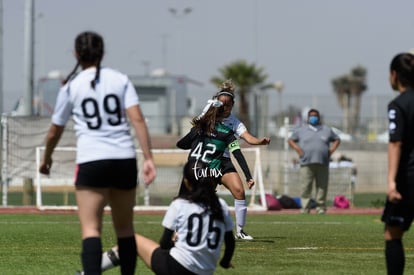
{"type": "Point", "coordinates": [262, 239]}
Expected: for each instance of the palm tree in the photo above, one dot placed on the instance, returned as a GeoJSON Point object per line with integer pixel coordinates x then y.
{"type": "Point", "coordinates": [349, 89]}
{"type": "Point", "coordinates": [245, 76]}
{"type": "Point", "coordinates": [358, 87]}
{"type": "Point", "coordinates": [341, 88]}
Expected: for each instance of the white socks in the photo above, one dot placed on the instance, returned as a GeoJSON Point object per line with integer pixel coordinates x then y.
{"type": "Point", "coordinates": [240, 211]}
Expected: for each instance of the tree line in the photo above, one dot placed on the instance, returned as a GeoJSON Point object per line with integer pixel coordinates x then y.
{"type": "Point", "coordinates": [348, 89]}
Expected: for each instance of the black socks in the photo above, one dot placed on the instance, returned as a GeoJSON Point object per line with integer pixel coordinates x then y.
{"type": "Point", "coordinates": [91, 256]}
{"type": "Point", "coordinates": [394, 256]}
{"type": "Point", "coordinates": [127, 249]}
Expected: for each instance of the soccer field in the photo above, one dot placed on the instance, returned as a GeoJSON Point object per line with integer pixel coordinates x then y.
{"type": "Point", "coordinates": [283, 244]}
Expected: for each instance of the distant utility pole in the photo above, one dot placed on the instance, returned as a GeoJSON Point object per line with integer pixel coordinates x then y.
{"type": "Point", "coordinates": [1, 57]}
{"type": "Point", "coordinates": [29, 57]}
{"type": "Point", "coordinates": [164, 51]}
{"type": "Point", "coordinates": [179, 14]}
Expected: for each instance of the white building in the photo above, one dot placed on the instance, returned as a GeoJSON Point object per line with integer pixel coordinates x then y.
{"type": "Point", "coordinates": [163, 98]}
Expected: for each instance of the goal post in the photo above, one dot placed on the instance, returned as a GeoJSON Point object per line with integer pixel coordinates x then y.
{"type": "Point", "coordinates": [156, 196]}
{"type": "Point", "coordinates": [258, 178]}
{"type": "Point", "coordinates": [61, 177]}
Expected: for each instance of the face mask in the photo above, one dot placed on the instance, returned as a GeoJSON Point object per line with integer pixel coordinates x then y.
{"type": "Point", "coordinates": [313, 120]}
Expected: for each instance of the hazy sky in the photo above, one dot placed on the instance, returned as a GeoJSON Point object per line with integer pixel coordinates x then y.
{"type": "Point", "coordinates": [304, 43]}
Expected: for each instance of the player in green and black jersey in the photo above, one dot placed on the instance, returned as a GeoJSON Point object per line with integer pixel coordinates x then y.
{"type": "Point", "coordinates": [209, 139]}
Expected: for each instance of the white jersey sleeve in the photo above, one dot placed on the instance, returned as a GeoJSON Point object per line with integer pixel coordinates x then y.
{"type": "Point", "coordinates": [199, 239]}
{"type": "Point", "coordinates": [238, 128]}
{"type": "Point", "coordinates": [235, 124]}
{"type": "Point", "coordinates": [131, 96]}
{"type": "Point", "coordinates": [63, 107]}
{"type": "Point", "coordinates": [228, 221]}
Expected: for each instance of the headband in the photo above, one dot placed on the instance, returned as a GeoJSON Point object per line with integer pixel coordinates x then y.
{"type": "Point", "coordinates": [225, 93]}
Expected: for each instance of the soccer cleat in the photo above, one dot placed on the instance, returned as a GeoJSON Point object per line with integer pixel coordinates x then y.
{"type": "Point", "coordinates": [113, 256]}
{"type": "Point", "coordinates": [243, 236]}
{"type": "Point", "coordinates": [79, 273]}
{"type": "Point", "coordinates": [321, 211]}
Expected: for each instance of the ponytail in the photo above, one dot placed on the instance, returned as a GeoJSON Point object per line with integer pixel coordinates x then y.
{"type": "Point", "coordinates": [97, 74]}
{"type": "Point", "coordinates": [71, 74]}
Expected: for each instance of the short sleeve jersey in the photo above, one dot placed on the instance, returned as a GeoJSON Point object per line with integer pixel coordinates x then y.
{"type": "Point", "coordinates": [210, 149]}
{"type": "Point", "coordinates": [99, 114]}
{"type": "Point", "coordinates": [315, 142]}
{"type": "Point", "coordinates": [199, 237]}
{"type": "Point", "coordinates": [236, 125]}
{"type": "Point", "coordinates": [401, 128]}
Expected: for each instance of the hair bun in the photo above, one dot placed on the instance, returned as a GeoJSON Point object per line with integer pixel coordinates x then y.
{"type": "Point", "coordinates": [227, 85]}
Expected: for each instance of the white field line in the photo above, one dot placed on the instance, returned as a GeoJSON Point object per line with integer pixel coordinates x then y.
{"type": "Point", "coordinates": [303, 248]}
{"type": "Point", "coordinates": [70, 222]}
{"type": "Point", "coordinates": [339, 248]}
{"type": "Point", "coordinates": [301, 222]}
{"type": "Point", "coordinates": [342, 248]}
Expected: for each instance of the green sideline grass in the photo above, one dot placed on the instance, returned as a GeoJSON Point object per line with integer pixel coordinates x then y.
{"type": "Point", "coordinates": [375, 200]}
{"type": "Point", "coordinates": [283, 244]}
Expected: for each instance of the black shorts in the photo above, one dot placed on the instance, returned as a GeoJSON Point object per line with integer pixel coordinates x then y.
{"type": "Point", "coordinates": [401, 213]}
{"type": "Point", "coordinates": [114, 173]}
{"type": "Point", "coordinates": [163, 264]}
{"type": "Point", "coordinates": [398, 214]}
{"type": "Point", "coordinates": [227, 166]}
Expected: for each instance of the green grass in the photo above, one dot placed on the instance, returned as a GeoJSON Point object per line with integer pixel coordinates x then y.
{"type": "Point", "coordinates": [60, 198]}
{"type": "Point", "coordinates": [283, 244]}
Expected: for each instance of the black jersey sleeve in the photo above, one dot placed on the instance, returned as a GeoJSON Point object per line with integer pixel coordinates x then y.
{"type": "Point", "coordinates": [186, 141]}
{"type": "Point", "coordinates": [395, 122]}
{"type": "Point", "coordinates": [243, 163]}
{"type": "Point", "coordinates": [166, 241]}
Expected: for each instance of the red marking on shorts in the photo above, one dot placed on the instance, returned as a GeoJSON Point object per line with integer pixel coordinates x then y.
{"type": "Point", "coordinates": [76, 172]}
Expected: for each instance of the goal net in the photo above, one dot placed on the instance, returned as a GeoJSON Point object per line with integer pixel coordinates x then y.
{"type": "Point", "coordinates": [341, 182]}
{"type": "Point", "coordinates": [56, 191]}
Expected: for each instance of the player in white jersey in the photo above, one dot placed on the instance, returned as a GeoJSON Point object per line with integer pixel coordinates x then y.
{"type": "Point", "coordinates": [196, 225]}
{"type": "Point", "coordinates": [99, 100]}
{"type": "Point", "coordinates": [232, 180]}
